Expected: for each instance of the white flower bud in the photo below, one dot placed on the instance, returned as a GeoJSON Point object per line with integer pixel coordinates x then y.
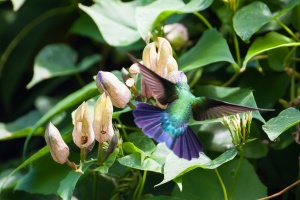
{"type": "Point", "coordinates": [58, 148]}
{"type": "Point", "coordinates": [118, 92]}
{"type": "Point", "coordinates": [177, 34]}
{"type": "Point", "coordinates": [83, 134]}
{"type": "Point", "coordinates": [103, 119]}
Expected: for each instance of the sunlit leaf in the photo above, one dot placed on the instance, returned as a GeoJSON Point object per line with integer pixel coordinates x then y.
{"type": "Point", "coordinates": [270, 41]}
{"type": "Point", "coordinates": [211, 48]}
{"type": "Point", "coordinates": [58, 60]}
{"type": "Point", "coordinates": [153, 162]}
{"type": "Point", "coordinates": [285, 120]}
{"type": "Point", "coordinates": [175, 167]}
{"type": "Point", "coordinates": [113, 18]}
{"type": "Point", "coordinates": [17, 4]}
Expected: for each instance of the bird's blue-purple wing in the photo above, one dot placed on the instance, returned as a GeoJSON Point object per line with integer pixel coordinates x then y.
{"type": "Point", "coordinates": [149, 118]}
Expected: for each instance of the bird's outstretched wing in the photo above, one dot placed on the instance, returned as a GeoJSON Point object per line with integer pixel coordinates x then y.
{"type": "Point", "coordinates": [164, 91]}
{"type": "Point", "coordinates": [204, 108]}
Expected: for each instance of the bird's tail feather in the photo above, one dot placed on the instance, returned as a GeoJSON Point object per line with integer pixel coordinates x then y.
{"type": "Point", "coordinates": [148, 117]}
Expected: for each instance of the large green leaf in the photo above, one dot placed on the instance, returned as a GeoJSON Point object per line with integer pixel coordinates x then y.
{"type": "Point", "coordinates": [85, 26]}
{"type": "Point", "coordinates": [113, 18]}
{"type": "Point", "coordinates": [270, 41]}
{"type": "Point", "coordinates": [68, 184]}
{"type": "Point", "coordinates": [285, 120]}
{"type": "Point", "coordinates": [48, 177]}
{"type": "Point", "coordinates": [205, 184]}
{"type": "Point", "coordinates": [58, 60]}
{"type": "Point", "coordinates": [211, 47]}
{"type": "Point", "coordinates": [150, 15]}
{"type": "Point", "coordinates": [176, 167]}
{"type": "Point", "coordinates": [250, 18]}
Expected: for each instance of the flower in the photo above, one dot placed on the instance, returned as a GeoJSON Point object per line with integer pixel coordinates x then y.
{"type": "Point", "coordinates": [118, 92]}
{"type": "Point", "coordinates": [177, 35]}
{"type": "Point", "coordinates": [102, 124]}
{"type": "Point", "coordinates": [83, 134]}
{"type": "Point", "coordinates": [58, 148]}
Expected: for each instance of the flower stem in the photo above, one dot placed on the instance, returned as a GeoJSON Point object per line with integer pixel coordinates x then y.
{"type": "Point", "coordinates": [236, 172]}
{"type": "Point", "coordinates": [287, 29]}
{"type": "Point", "coordinates": [100, 153]}
{"type": "Point", "coordinates": [142, 185]}
{"type": "Point", "coordinates": [202, 18]}
{"type": "Point", "coordinates": [222, 184]}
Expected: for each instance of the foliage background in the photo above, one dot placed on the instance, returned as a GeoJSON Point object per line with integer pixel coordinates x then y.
{"type": "Point", "coordinates": [74, 41]}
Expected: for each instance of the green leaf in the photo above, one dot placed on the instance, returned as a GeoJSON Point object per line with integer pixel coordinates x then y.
{"type": "Point", "coordinates": [58, 60]}
{"type": "Point", "coordinates": [48, 177]}
{"type": "Point", "coordinates": [270, 41]}
{"type": "Point", "coordinates": [20, 127]}
{"type": "Point", "coordinates": [239, 96]}
{"type": "Point", "coordinates": [108, 162]}
{"type": "Point", "coordinates": [153, 162]}
{"type": "Point", "coordinates": [285, 120]}
{"type": "Point", "coordinates": [113, 18]}
{"type": "Point", "coordinates": [142, 142]}
{"type": "Point", "coordinates": [205, 184]}
{"type": "Point", "coordinates": [86, 27]}
{"type": "Point", "coordinates": [249, 19]}
{"type": "Point", "coordinates": [276, 58]}
{"type": "Point", "coordinates": [211, 48]}
{"type": "Point", "coordinates": [68, 184]}
{"type": "Point", "coordinates": [150, 15]}
{"type": "Point", "coordinates": [135, 161]}
{"type": "Point", "coordinates": [175, 167]}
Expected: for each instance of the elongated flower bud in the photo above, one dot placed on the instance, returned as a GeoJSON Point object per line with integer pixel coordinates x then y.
{"type": "Point", "coordinates": [103, 119]}
{"type": "Point", "coordinates": [58, 148]}
{"type": "Point", "coordinates": [118, 92]}
{"type": "Point", "coordinates": [83, 134]}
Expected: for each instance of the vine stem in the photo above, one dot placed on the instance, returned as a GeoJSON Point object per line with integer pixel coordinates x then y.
{"type": "Point", "coordinates": [287, 29]}
{"type": "Point", "coordinates": [26, 30]}
{"type": "Point", "coordinates": [236, 172]}
{"type": "Point", "coordinates": [142, 185]}
{"type": "Point", "coordinates": [281, 192]}
{"type": "Point", "coordinates": [202, 18]}
{"type": "Point", "coordinates": [222, 184]}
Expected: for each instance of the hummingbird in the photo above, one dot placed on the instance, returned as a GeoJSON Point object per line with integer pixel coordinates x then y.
{"type": "Point", "coordinates": [170, 125]}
